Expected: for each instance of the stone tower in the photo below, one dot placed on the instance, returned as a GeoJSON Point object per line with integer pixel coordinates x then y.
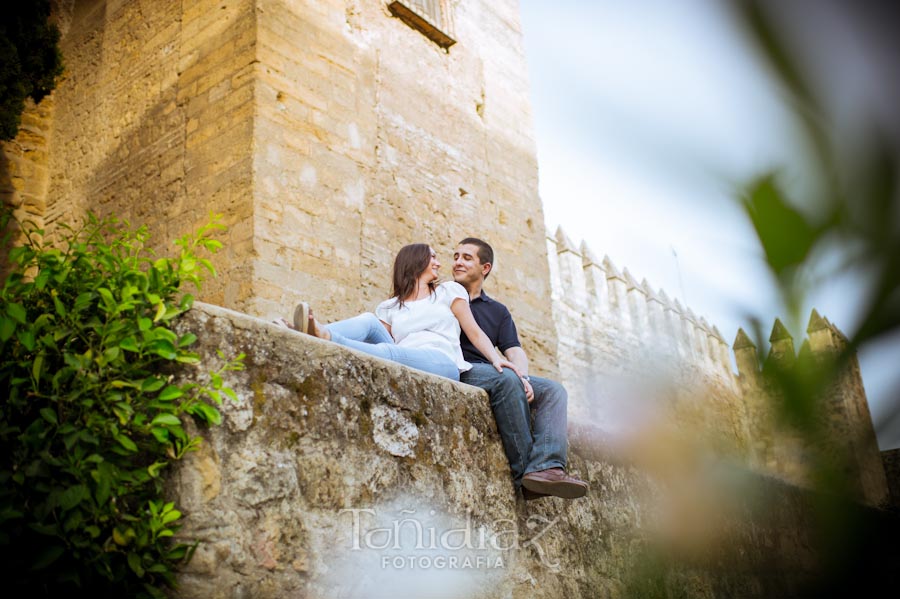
{"type": "Point", "coordinates": [328, 132]}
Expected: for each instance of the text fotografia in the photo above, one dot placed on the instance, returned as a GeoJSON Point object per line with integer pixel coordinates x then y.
{"type": "Point", "coordinates": [441, 562]}
{"type": "Point", "coordinates": [410, 542]}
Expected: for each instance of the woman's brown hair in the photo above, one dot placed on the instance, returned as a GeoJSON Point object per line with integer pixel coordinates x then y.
{"type": "Point", "coordinates": [410, 262]}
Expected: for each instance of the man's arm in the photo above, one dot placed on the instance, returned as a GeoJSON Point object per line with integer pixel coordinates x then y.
{"type": "Point", "coordinates": [517, 356]}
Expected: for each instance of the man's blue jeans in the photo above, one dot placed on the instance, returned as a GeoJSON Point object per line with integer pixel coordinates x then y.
{"type": "Point", "coordinates": [529, 447]}
{"type": "Point", "coordinates": [366, 333]}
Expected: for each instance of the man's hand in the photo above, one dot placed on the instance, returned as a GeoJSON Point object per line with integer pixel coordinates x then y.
{"type": "Point", "coordinates": [529, 392]}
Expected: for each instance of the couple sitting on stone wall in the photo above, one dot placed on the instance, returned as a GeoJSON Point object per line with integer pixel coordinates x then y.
{"type": "Point", "coordinates": [451, 329]}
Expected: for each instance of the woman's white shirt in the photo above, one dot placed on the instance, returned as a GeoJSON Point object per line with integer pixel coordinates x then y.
{"type": "Point", "coordinates": [428, 322]}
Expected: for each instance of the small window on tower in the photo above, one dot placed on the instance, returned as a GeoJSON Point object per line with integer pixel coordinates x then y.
{"type": "Point", "coordinates": [426, 16]}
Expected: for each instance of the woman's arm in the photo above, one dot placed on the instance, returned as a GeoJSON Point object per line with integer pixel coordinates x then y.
{"type": "Point", "coordinates": [463, 313]}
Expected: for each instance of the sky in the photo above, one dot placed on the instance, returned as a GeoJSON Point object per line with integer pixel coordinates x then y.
{"type": "Point", "coordinates": [649, 115]}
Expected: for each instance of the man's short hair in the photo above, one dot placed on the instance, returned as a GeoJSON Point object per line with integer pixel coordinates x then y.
{"type": "Point", "coordinates": [485, 251]}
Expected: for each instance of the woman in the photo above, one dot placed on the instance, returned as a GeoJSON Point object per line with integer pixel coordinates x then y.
{"type": "Point", "coordinates": [419, 326]}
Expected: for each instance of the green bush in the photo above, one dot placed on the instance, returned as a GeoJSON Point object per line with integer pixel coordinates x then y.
{"type": "Point", "coordinates": [90, 420]}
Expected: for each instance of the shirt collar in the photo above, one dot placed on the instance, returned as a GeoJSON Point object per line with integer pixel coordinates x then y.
{"type": "Point", "coordinates": [484, 297]}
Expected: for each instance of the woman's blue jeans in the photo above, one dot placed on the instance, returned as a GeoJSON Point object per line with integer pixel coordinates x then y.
{"type": "Point", "coordinates": [366, 334]}
{"type": "Point", "coordinates": [529, 447]}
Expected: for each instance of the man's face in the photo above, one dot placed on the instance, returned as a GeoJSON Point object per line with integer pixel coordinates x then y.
{"type": "Point", "coordinates": [467, 267]}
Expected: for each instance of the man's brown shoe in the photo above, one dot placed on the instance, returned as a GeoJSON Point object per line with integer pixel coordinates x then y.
{"type": "Point", "coordinates": [531, 495]}
{"type": "Point", "coordinates": [555, 481]}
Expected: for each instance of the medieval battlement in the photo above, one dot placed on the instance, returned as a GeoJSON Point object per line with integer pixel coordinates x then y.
{"type": "Point", "coordinates": [596, 290]}
{"type": "Point", "coordinates": [616, 334]}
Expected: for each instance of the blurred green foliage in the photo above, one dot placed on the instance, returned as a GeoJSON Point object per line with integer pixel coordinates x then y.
{"type": "Point", "coordinates": [855, 207]}
{"type": "Point", "coordinates": [851, 211]}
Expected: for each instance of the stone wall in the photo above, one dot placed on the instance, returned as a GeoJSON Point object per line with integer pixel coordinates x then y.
{"type": "Point", "coordinates": [328, 133]}
{"type": "Point", "coordinates": [630, 356]}
{"type": "Point", "coordinates": [23, 172]}
{"type": "Point", "coordinates": [154, 121]}
{"type": "Point", "coordinates": [335, 469]}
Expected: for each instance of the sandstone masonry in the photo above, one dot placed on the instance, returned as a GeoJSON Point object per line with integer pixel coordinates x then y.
{"type": "Point", "coordinates": [328, 133]}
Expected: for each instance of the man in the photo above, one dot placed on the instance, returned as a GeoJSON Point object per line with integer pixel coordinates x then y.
{"type": "Point", "coordinates": [536, 454]}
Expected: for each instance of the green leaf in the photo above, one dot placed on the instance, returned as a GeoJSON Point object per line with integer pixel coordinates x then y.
{"type": "Point", "coordinates": [58, 306]}
{"type": "Point", "coordinates": [144, 324]}
{"type": "Point", "coordinates": [73, 496]}
{"type": "Point", "coordinates": [785, 234]}
{"type": "Point", "coordinates": [74, 521]}
{"type": "Point", "coordinates": [40, 281]}
{"type": "Point", "coordinates": [110, 354]}
{"type": "Point", "coordinates": [36, 368]}
{"type": "Point", "coordinates": [103, 476]}
{"type": "Point", "coordinates": [83, 301]}
{"type": "Point", "coordinates": [129, 344]}
{"type": "Point", "coordinates": [49, 415]}
{"type": "Point", "coordinates": [164, 333]}
{"type": "Point", "coordinates": [187, 264]}
{"type": "Point", "coordinates": [163, 348]}
{"type": "Point", "coordinates": [109, 303]}
{"type": "Point", "coordinates": [26, 338]}
{"type": "Point", "coordinates": [134, 562]}
{"type": "Point", "coordinates": [152, 383]}
{"type": "Point", "coordinates": [16, 312]}
{"type": "Point", "coordinates": [161, 434]}
{"type": "Point", "coordinates": [187, 358]}
{"type": "Point", "coordinates": [123, 537]}
{"type": "Point", "coordinates": [123, 412]}
{"type": "Point", "coordinates": [207, 413]}
{"type": "Point", "coordinates": [125, 442]}
{"type": "Point", "coordinates": [187, 339]}
{"type": "Point", "coordinates": [169, 393]}
{"type": "Point", "coordinates": [42, 321]}
{"type": "Point", "coordinates": [208, 266]}
{"type": "Point", "coordinates": [124, 384]}
{"type": "Point", "coordinates": [171, 516]}
{"type": "Point", "coordinates": [160, 311]}
{"type": "Point", "coordinates": [166, 419]}
{"type": "Point", "coordinates": [7, 327]}
{"type": "Point", "coordinates": [71, 438]}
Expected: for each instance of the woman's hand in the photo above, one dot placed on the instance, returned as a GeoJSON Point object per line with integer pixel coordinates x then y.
{"type": "Point", "coordinates": [499, 363]}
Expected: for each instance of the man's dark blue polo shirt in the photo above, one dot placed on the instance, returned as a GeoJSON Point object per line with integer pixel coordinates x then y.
{"type": "Point", "coordinates": [496, 322]}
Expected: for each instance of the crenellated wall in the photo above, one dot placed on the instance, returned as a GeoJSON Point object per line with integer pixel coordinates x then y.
{"type": "Point", "coordinates": [626, 349]}
{"type": "Point", "coordinates": [628, 354]}
{"type": "Point", "coordinates": [841, 433]}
